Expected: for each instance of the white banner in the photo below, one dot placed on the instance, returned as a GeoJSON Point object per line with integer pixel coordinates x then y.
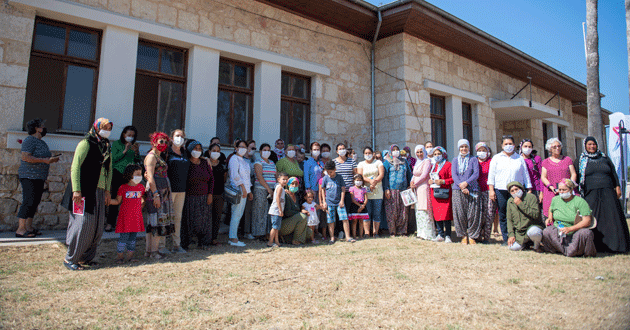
{"type": "Point", "coordinates": [614, 146]}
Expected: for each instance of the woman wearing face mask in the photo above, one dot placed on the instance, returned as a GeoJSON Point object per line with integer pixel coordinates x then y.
{"type": "Point", "coordinates": [178, 165]}
{"type": "Point", "coordinates": [466, 206]}
{"type": "Point", "coordinates": [347, 168]}
{"type": "Point", "coordinates": [506, 166]}
{"type": "Point", "coordinates": [246, 220]}
{"type": "Point", "coordinates": [319, 172]}
{"type": "Point", "coordinates": [397, 177]}
{"type": "Point", "coordinates": [264, 187]}
{"type": "Point", "coordinates": [239, 173]}
{"type": "Point", "coordinates": [599, 185]}
{"type": "Point", "coordinates": [125, 151]}
{"type": "Point", "coordinates": [219, 173]}
{"type": "Point", "coordinates": [568, 224]}
{"type": "Point", "coordinates": [428, 147]}
{"type": "Point", "coordinates": [523, 218]}
{"type": "Point", "coordinates": [159, 202]}
{"type": "Point", "coordinates": [278, 151]}
{"type": "Point", "coordinates": [90, 182]}
{"type": "Point", "coordinates": [425, 227]}
{"type": "Point", "coordinates": [488, 206]}
{"type": "Point", "coordinates": [441, 205]}
{"type": "Point", "coordinates": [554, 169]}
{"type": "Point", "coordinates": [289, 164]}
{"type": "Point", "coordinates": [373, 173]}
{"type": "Point", "coordinates": [534, 167]}
{"type": "Point", "coordinates": [197, 215]}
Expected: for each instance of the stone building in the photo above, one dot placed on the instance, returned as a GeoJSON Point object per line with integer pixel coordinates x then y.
{"type": "Point", "coordinates": [265, 69]}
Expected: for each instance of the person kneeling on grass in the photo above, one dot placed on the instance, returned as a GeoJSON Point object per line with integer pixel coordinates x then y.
{"type": "Point", "coordinates": [334, 191]}
{"type": "Point", "coordinates": [523, 218]}
{"type": "Point", "coordinates": [276, 209]}
{"type": "Point", "coordinates": [129, 224]}
{"type": "Point", "coordinates": [568, 224]}
{"type": "Point", "coordinates": [294, 219]}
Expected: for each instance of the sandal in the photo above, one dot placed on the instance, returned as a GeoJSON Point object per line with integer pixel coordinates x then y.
{"type": "Point", "coordinates": [28, 234]}
{"type": "Point", "coordinates": [351, 240]}
{"type": "Point", "coordinates": [156, 255]}
{"type": "Point", "coordinates": [331, 242]}
{"type": "Point", "coordinates": [72, 266]}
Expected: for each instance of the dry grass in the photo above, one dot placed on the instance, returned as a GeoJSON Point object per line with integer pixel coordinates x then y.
{"type": "Point", "coordinates": [384, 283]}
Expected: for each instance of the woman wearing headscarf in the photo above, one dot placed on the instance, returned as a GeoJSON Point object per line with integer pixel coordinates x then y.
{"type": "Point", "coordinates": [599, 185]}
{"type": "Point", "coordinates": [466, 206]}
{"type": "Point", "coordinates": [425, 227]}
{"type": "Point", "coordinates": [488, 206]}
{"type": "Point", "coordinates": [534, 167]}
{"type": "Point", "coordinates": [410, 158]}
{"type": "Point", "coordinates": [441, 203]}
{"type": "Point", "coordinates": [523, 218]}
{"type": "Point", "coordinates": [294, 220]}
{"type": "Point", "coordinates": [89, 187]}
{"type": "Point", "coordinates": [197, 211]}
{"type": "Point", "coordinates": [568, 224]}
{"type": "Point", "coordinates": [397, 177]}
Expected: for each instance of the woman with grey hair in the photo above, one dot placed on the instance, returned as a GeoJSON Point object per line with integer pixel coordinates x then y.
{"type": "Point", "coordinates": [554, 169]}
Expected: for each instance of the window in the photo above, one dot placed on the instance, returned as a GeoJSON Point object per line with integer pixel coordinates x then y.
{"type": "Point", "coordinates": [295, 110]}
{"type": "Point", "coordinates": [579, 146]}
{"type": "Point", "coordinates": [545, 137]}
{"type": "Point", "coordinates": [159, 97]}
{"type": "Point", "coordinates": [438, 120]}
{"type": "Point", "coordinates": [467, 121]}
{"type": "Point", "coordinates": [62, 76]}
{"type": "Point", "coordinates": [234, 108]}
{"type": "Point", "coordinates": [561, 137]}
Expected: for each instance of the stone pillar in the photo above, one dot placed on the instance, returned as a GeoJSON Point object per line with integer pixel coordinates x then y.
{"type": "Point", "coordinates": [202, 93]}
{"type": "Point", "coordinates": [267, 78]}
{"type": "Point", "coordinates": [454, 127]}
{"type": "Point", "coordinates": [117, 77]}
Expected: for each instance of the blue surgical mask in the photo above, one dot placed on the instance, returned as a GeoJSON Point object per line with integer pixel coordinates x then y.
{"type": "Point", "coordinates": [293, 189]}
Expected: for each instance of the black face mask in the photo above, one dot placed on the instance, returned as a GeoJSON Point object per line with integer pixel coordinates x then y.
{"type": "Point", "coordinates": [44, 131]}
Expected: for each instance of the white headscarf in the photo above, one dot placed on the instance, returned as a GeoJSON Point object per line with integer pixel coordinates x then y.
{"type": "Point", "coordinates": [424, 152]}
{"type": "Point", "coordinates": [462, 161]}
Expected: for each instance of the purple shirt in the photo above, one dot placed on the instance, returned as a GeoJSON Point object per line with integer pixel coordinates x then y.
{"type": "Point", "coordinates": [534, 171]}
{"type": "Point", "coordinates": [470, 175]}
{"type": "Point", "coordinates": [200, 179]}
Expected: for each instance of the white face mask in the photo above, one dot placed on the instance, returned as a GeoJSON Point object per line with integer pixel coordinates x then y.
{"type": "Point", "coordinates": [430, 152]}
{"type": "Point", "coordinates": [137, 178]}
{"type": "Point", "coordinates": [242, 151]}
{"type": "Point", "coordinates": [129, 139]}
{"type": "Point", "coordinates": [178, 141]}
{"type": "Point", "coordinates": [215, 155]}
{"type": "Point", "coordinates": [527, 151]}
{"type": "Point", "coordinates": [518, 194]}
{"type": "Point", "coordinates": [326, 154]}
{"type": "Point", "coordinates": [342, 152]}
{"type": "Point", "coordinates": [358, 183]}
{"type": "Point", "coordinates": [395, 153]}
{"type": "Point", "coordinates": [195, 153]}
{"type": "Point", "coordinates": [368, 156]}
{"type": "Point", "coordinates": [265, 154]}
{"type": "Point", "coordinates": [104, 134]}
{"type": "Point", "coordinates": [482, 154]}
{"type": "Point", "coordinates": [438, 158]}
{"type": "Point", "coordinates": [315, 153]}
{"type": "Point", "coordinates": [509, 148]}
{"type": "Point", "coordinates": [291, 153]}
{"type": "Point", "coordinates": [565, 195]}
{"type": "Point", "coordinates": [251, 152]}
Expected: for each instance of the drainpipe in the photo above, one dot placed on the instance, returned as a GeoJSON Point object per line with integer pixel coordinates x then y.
{"type": "Point", "coordinates": [373, 89]}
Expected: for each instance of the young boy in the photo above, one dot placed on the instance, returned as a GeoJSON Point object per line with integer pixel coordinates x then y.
{"type": "Point", "coordinates": [276, 209]}
{"type": "Point", "coordinates": [334, 191]}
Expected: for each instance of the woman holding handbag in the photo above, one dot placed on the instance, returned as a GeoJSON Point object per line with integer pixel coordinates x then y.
{"type": "Point", "coordinates": [441, 194]}
{"type": "Point", "coordinates": [240, 181]}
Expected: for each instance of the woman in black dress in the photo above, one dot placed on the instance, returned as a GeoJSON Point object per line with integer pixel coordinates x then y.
{"type": "Point", "coordinates": [599, 185]}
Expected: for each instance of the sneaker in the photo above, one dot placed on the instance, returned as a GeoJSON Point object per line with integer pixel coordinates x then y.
{"type": "Point", "coordinates": [448, 240]}
{"type": "Point", "coordinates": [249, 236]}
{"type": "Point", "coordinates": [438, 239]}
{"type": "Point", "coordinates": [179, 249]}
{"type": "Point", "coordinates": [341, 235]}
{"type": "Point", "coordinates": [164, 251]}
{"type": "Point", "coordinates": [239, 243]}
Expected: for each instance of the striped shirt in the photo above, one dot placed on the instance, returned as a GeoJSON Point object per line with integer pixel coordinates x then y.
{"type": "Point", "coordinates": [268, 173]}
{"type": "Point", "coordinates": [346, 170]}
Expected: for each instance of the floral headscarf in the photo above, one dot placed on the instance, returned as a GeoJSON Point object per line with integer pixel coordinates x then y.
{"type": "Point", "coordinates": [585, 157]}
{"type": "Point", "coordinates": [394, 160]}
{"type": "Point", "coordinates": [93, 137]}
{"type": "Point", "coordinates": [444, 157]}
{"type": "Point", "coordinates": [293, 179]}
{"type": "Point", "coordinates": [384, 153]}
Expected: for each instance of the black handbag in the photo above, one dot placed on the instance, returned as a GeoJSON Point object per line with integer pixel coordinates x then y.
{"type": "Point", "coordinates": [231, 194]}
{"type": "Point", "coordinates": [441, 193]}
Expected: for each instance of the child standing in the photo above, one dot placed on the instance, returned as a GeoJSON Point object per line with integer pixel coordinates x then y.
{"type": "Point", "coordinates": [334, 191]}
{"type": "Point", "coordinates": [130, 198]}
{"type": "Point", "coordinates": [358, 210]}
{"type": "Point", "coordinates": [311, 207]}
{"type": "Point", "coordinates": [276, 209]}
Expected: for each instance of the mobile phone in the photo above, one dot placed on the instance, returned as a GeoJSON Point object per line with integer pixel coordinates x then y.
{"type": "Point", "coordinates": [57, 155]}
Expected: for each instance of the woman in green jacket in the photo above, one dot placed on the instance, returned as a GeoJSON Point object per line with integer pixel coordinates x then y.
{"type": "Point", "coordinates": [523, 218]}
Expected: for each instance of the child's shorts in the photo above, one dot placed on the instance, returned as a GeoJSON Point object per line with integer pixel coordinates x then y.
{"type": "Point", "coordinates": [276, 222]}
{"type": "Point", "coordinates": [341, 212]}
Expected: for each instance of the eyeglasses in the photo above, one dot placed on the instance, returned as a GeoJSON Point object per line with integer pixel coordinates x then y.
{"type": "Point", "coordinates": [556, 147]}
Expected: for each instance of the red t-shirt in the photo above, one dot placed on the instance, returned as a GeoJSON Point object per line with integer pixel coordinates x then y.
{"type": "Point", "coordinates": [130, 212]}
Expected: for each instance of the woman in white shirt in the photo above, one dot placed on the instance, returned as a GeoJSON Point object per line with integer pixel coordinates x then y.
{"type": "Point", "coordinates": [505, 167]}
{"type": "Point", "coordinates": [239, 172]}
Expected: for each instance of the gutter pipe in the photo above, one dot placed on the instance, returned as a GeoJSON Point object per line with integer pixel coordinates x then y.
{"type": "Point", "coordinates": [373, 87]}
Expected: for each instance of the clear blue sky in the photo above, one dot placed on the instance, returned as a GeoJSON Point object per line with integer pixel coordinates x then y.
{"type": "Point", "coordinates": [551, 31]}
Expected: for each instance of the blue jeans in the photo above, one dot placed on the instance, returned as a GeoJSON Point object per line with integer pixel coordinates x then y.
{"type": "Point", "coordinates": [276, 222]}
{"type": "Point", "coordinates": [374, 209]}
{"type": "Point", "coordinates": [443, 228]}
{"type": "Point", "coordinates": [502, 198]}
{"type": "Point", "coordinates": [235, 219]}
{"type": "Point", "coordinates": [127, 241]}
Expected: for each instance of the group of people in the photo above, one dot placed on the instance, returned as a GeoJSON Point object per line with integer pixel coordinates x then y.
{"type": "Point", "coordinates": [282, 196]}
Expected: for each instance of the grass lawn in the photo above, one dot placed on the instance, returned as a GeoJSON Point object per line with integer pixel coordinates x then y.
{"type": "Point", "coordinates": [376, 283]}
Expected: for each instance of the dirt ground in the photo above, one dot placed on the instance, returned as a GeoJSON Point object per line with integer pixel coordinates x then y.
{"type": "Point", "coordinates": [387, 283]}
